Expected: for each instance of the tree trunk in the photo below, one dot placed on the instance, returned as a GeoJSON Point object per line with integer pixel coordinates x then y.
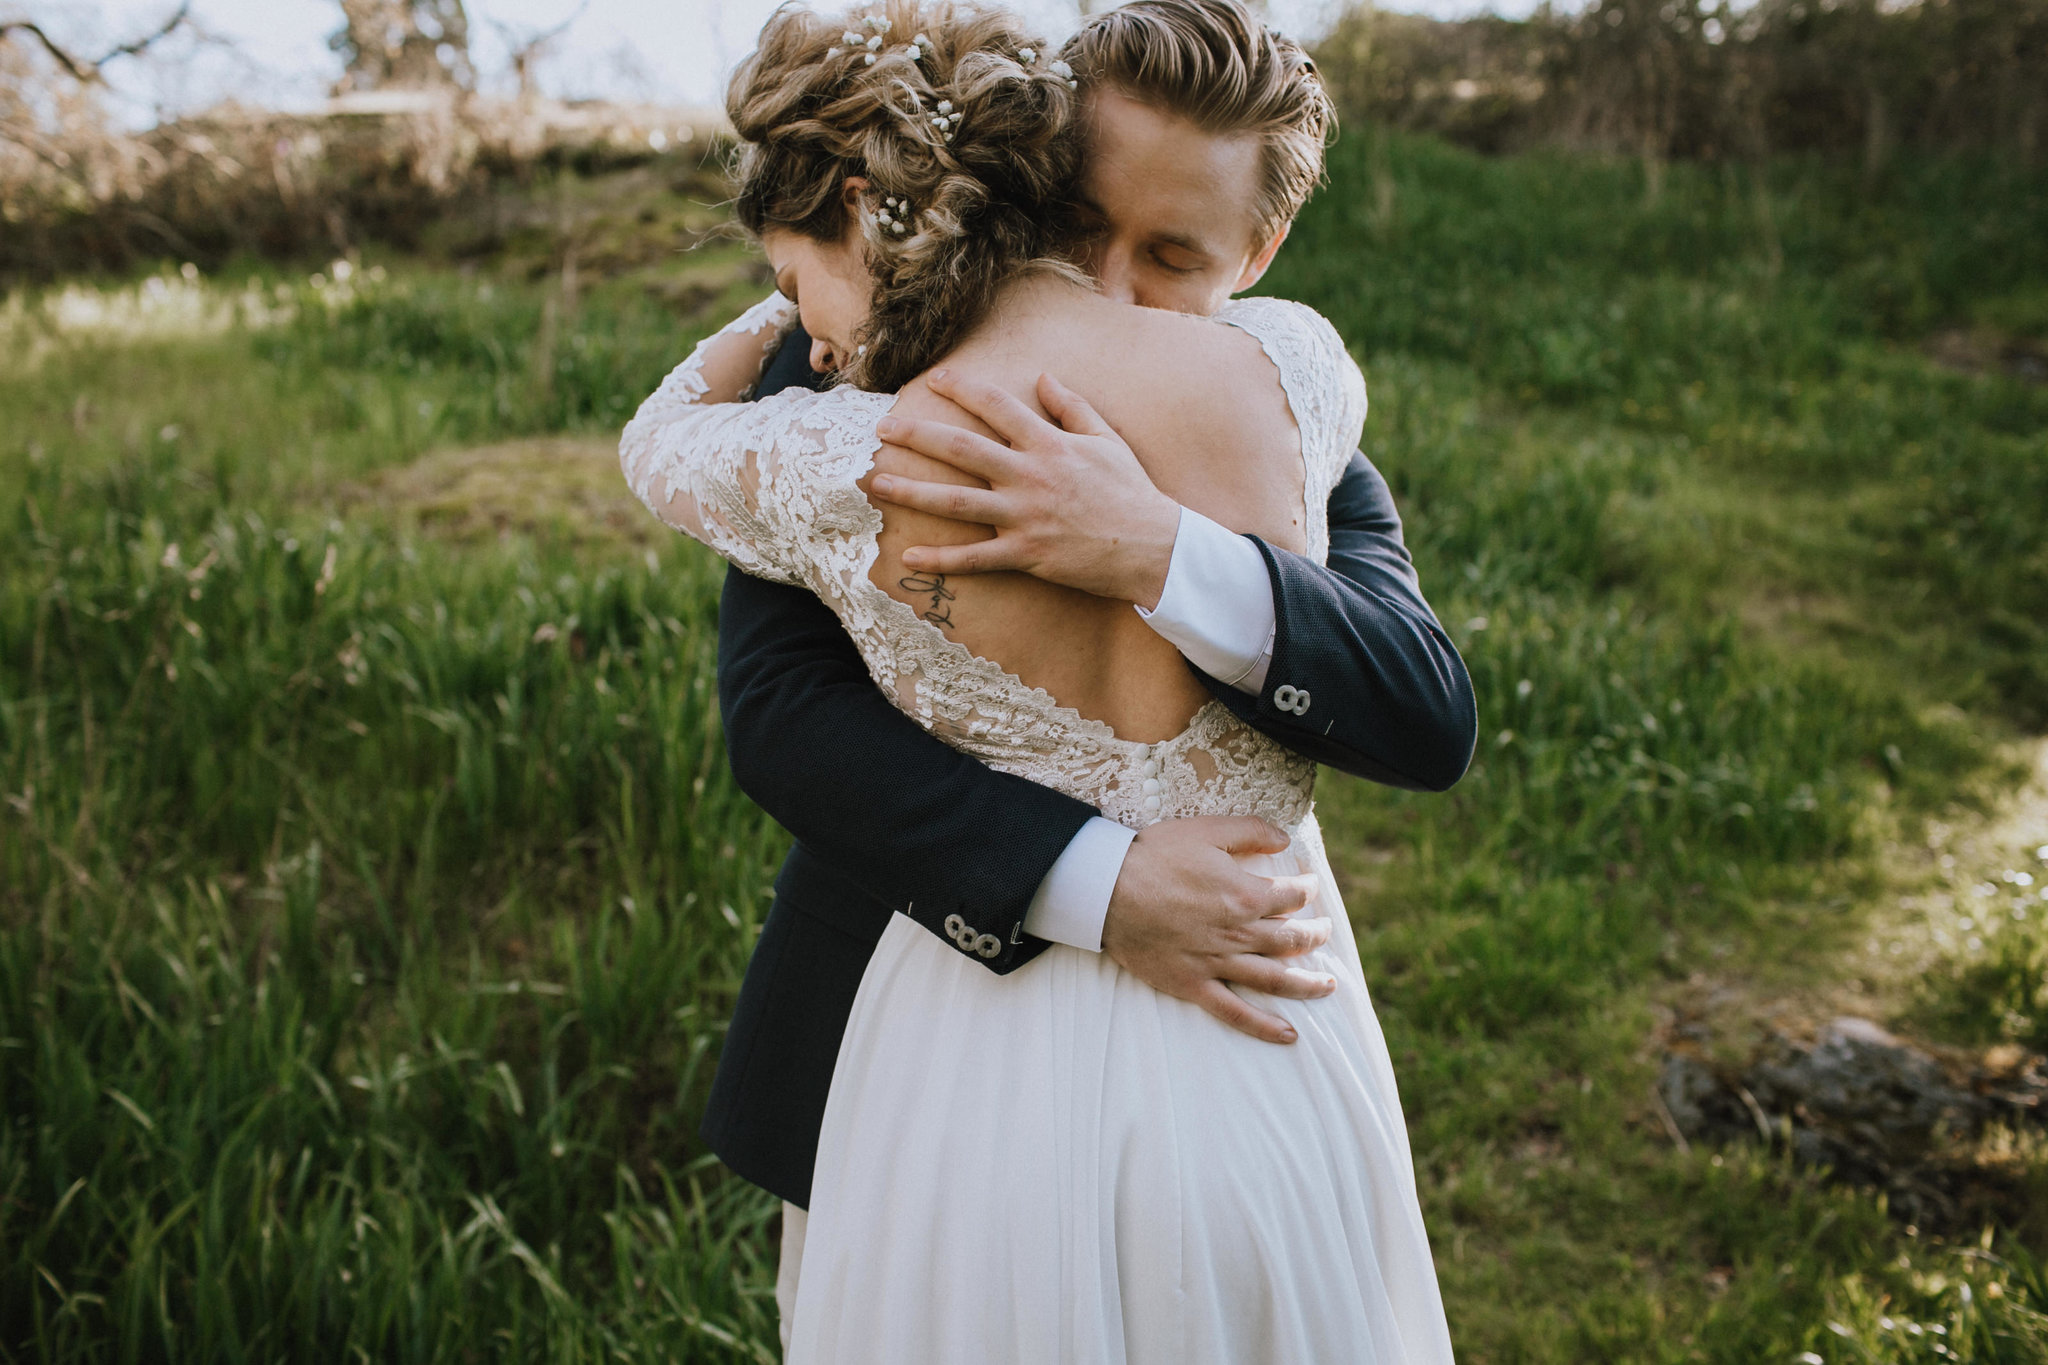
{"type": "Point", "coordinates": [1877, 134]}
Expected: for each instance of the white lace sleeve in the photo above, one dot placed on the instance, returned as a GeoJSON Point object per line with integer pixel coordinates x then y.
{"type": "Point", "coordinates": [1324, 388]}
{"type": "Point", "coordinates": [699, 465]}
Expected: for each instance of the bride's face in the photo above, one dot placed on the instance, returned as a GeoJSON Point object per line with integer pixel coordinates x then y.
{"type": "Point", "coordinates": [830, 285]}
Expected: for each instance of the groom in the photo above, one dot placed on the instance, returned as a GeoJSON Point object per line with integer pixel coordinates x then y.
{"type": "Point", "coordinates": [1206, 137]}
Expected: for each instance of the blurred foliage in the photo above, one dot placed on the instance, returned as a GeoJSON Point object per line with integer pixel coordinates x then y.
{"type": "Point", "coordinates": [80, 193]}
{"type": "Point", "coordinates": [408, 44]}
{"type": "Point", "coordinates": [1710, 78]}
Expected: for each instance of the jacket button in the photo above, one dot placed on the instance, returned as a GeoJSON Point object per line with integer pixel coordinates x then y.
{"type": "Point", "coordinates": [1290, 698]}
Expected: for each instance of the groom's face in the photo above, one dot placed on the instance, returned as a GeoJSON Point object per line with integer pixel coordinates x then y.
{"type": "Point", "coordinates": [1173, 207]}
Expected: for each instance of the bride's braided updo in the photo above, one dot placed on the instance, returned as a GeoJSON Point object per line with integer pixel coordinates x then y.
{"type": "Point", "coordinates": [963, 124]}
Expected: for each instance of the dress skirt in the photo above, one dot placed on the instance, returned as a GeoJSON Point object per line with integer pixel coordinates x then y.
{"type": "Point", "coordinates": [1063, 1165]}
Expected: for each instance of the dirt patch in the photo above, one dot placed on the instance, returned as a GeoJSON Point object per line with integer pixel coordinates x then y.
{"type": "Point", "coordinates": [550, 487]}
{"type": "Point", "coordinates": [1808, 620]}
{"type": "Point", "coordinates": [1982, 351]}
{"type": "Point", "coordinates": [1948, 1135]}
{"type": "Point", "coordinates": [1952, 1125]}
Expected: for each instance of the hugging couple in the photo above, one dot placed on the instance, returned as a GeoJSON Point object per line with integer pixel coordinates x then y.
{"type": "Point", "coordinates": [1044, 609]}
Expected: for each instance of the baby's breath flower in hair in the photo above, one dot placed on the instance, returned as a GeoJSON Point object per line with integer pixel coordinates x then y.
{"type": "Point", "coordinates": [1027, 55]}
{"type": "Point", "coordinates": [873, 43]}
{"type": "Point", "coordinates": [894, 216]}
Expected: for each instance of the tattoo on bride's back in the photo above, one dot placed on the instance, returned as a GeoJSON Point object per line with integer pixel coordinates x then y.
{"type": "Point", "coordinates": [932, 585]}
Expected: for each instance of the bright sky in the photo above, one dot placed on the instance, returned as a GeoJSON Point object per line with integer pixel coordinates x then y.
{"type": "Point", "coordinates": [672, 51]}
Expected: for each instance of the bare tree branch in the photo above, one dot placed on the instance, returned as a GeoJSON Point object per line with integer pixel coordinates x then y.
{"type": "Point", "coordinates": [550, 34]}
{"type": "Point", "coordinates": [88, 72]}
{"type": "Point", "coordinates": [80, 71]}
{"type": "Point", "coordinates": [178, 19]}
{"type": "Point", "coordinates": [527, 50]}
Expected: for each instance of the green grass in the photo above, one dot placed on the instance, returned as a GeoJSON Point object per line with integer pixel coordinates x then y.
{"type": "Point", "coordinates": [1623, 439]}
{"type": "Point", "coordinates": [372, 896]}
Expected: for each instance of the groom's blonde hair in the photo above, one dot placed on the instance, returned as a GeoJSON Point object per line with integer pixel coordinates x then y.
{"type": "Point", "coordinates": [1214, 64]}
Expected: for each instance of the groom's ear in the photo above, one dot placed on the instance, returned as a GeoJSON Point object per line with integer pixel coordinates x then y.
{"type": "Point", "coordinates": [1256, 266]}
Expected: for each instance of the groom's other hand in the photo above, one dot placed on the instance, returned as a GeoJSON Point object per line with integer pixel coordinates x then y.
{"type": "Point", "coordinates": [1188, 920]}
{"type": "Point", "coordinates": [1068, 503]}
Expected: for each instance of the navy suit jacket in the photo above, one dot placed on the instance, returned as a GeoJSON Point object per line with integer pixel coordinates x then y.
{"type": "Point", "coordinates": [888, 819]}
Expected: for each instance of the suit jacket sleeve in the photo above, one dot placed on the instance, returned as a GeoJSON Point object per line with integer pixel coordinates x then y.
{"type": "Point", "coordinates": [1370, 682]}
{"type": "Point", "coordinates": [928, 830]}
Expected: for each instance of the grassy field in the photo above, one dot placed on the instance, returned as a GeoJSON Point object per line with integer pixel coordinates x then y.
{"type": "Point", "coordinates": [373, 891]}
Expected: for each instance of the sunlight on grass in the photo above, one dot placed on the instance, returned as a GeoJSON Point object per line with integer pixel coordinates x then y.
{"type": "Point", "coordinates": [168, 306]}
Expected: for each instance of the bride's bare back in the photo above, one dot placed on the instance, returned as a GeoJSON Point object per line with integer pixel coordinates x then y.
{"type": "Point", "coordinates": [1200, 405]}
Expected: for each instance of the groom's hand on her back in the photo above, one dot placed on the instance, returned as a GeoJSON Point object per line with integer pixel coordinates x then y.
{"type": "Point", "coordinates": [1186, 919]}
{"type": "Point", "coordinates": [1069, 504]}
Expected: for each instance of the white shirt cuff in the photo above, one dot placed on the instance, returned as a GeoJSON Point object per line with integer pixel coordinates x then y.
{"type": "Point", "coordinates": [1217, 604]}
{"type": "Point", "coordinates": [1073, 900]}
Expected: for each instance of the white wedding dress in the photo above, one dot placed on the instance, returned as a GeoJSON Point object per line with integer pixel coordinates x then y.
{"type": "Point", "coordinates": [1062, 1164]}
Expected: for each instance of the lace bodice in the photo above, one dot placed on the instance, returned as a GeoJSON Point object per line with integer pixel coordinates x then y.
{"type": "Point", "coordinates": [772, 486]}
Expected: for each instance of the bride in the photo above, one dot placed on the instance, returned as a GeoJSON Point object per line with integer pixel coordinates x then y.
{"type": "Point", "coordinates": [1059, 1164]}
